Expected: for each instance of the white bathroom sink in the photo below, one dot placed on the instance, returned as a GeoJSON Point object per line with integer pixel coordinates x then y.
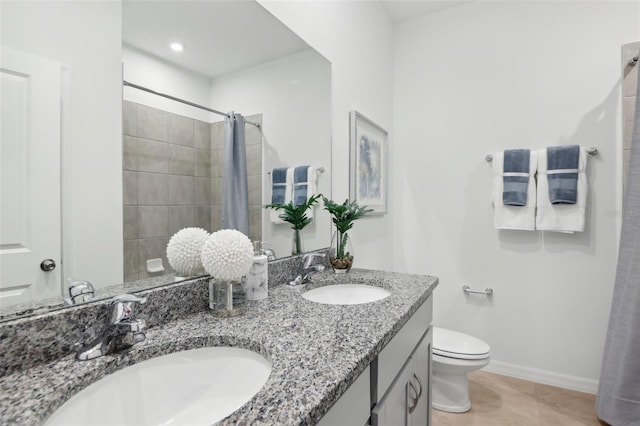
{"type": "Point", "coordinates": [194, 387]}
{"type": "Point", "coordinates": [346, 294]}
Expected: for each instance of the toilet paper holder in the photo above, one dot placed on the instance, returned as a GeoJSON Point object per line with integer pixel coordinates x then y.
{"type": "Point", "coordinates": [488, 291]}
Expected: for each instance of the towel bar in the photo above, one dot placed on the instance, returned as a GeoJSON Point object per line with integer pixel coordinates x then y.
{"type": "Point", "coordinates": [488, 291]}
{"type": "Point", "coordinates": [591, 151]}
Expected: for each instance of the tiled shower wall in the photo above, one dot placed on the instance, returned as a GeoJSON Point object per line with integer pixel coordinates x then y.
{"type": "Point", "coordinates": [173, 179]}
{"type": "Point", "coordinates": [629, 88]}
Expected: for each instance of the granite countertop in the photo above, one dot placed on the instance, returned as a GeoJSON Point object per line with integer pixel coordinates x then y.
{"type": "Point", "coordinates": [317, 351]}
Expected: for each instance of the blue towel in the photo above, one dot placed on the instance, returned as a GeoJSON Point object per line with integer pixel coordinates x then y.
{"type": "Point", "coordinates": [516, 175]}
{"type": "Point", "coordinates": [562, 173]}
{"type": "Point", "coordinates": [300, 185]}
{"type": "Point", "coordinates": [278, 185]}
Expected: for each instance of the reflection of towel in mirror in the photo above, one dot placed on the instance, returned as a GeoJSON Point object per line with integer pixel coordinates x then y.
{"type": "Point", "coordinates": [304, 186]}
{"type": "Point", "coordinates": [281, 186]}
{"type": "Point", "coordinates": [561, 217]}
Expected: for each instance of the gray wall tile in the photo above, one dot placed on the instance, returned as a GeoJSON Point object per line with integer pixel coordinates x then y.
{"type": "Point", "coordinates": [181, 161]}
{"type": "Point", "coordinates": [130, 188]}
{"type": "Point", "coordinates": [129, 118]}
{"type": "Point", "coordinates": [629, 107]}
{"type": "Point", "coordinates": [216, 191]}
{"type": "Point", "coordinates": [181, 130]}
{"type": "Point", "coordinates": [153, 156]}
{"type": "Point", "coordinates": [153, 189]}
{"type": "Point", "coordinates": [202, 160]}
{"type": "Point", "coordinates": [202, 189]}
{"type": "Point", "coordinates": [130, 222]}
{"type": "Point", "coordinates": [216, 163]}
{"type": "Point", "coordinates": [202, 135]}
{"type": "Point", "coordinates": [203, 217]}
{"type": "Point", "coordinates": [153, 221]}
{"type": "Point", "coordinates": [254, 184]}
{"type": "Point", "coordinates": [215, 218]}
{"type": "Point", "coordinates": [129, 153]}
{"type": "Point", "coordinates": [254, 159]}
{"type": "Point", "coordinates": [152, 123]}
{"type": "Point", "coordinates": [181, 217]}
{"type": "Point", "coordinates": [217, 132]}
{"type": "Point", "coordinates": [255, 223]}
{"type": "Point", "coordinates": [181, 190]}
{"type": "Point", "coordinates": [152, 248]}
{"type": "Point", "coordinates": [130, 257]}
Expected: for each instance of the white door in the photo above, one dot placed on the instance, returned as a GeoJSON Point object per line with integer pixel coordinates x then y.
{"type": "Point", "coordinates": [30, 229]}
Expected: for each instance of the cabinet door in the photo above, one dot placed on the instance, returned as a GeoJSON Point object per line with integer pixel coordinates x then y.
{"type": "Point", "coordinates": [392, 410]}
{"type": "Point", "coordinates": [421, 379]}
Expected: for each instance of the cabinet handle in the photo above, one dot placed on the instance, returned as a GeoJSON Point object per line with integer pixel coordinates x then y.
{"type": "Point", "coordinates": [419, 384]}
{"type": "Point", "coordinates": [415, 401]}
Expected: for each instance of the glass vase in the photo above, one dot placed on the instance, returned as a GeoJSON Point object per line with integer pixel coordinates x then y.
{"type": "Point", "coordinates": [341, 253]}
{"type": "Point", "coordinates": [227, 298]}
{"type": "Point", "coordinates": [297, 242]}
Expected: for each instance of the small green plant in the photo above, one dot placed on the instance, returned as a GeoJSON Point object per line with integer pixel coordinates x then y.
{"type": "Point", "coordinates": [343, 217]}
{"type": "Point", "coordinates": [296, 216]}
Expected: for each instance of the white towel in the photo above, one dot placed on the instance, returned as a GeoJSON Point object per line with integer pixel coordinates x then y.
{"type": "Point", "coordinates": [561, 217]}
{"type": "Point", "coordinates": [274, 215]}
{"type": "Point", "coordinates": [311, 186]}
{"type": "Point", "coordinates": [514, 217]}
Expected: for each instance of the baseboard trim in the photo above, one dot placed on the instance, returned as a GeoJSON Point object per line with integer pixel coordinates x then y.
{"type": "Point", "coordinates": [542, 376]}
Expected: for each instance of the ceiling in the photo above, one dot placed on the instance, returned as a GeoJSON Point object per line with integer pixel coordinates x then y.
{"type": "Point", "coordinates": [402, 10]}
{"type": "Point", "coordinates": [211, 32]}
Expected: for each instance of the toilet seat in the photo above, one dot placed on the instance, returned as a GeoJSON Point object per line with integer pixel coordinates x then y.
{"type": "Point", "coordinates": [453, 344]}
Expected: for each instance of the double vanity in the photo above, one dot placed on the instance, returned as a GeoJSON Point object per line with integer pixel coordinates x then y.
{"type": "Point", "coordinates": [334, 360]}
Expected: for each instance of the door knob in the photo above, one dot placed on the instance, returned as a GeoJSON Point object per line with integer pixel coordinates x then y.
{"type": "Point", "coordinates": [48, 265]}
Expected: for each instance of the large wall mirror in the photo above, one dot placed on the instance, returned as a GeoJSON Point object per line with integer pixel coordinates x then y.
{"type": "Point", "coordinates": [134, 167]}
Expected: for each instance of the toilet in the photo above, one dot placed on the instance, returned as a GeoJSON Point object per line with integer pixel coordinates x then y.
{"type": "Point", "coordinates": [454, 355]}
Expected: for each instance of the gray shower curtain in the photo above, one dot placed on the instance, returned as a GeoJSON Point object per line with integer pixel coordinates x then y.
{"type": "Point", "coordinates": [618, 400]}
{"type": "Point", "coordinates": [235, 194]}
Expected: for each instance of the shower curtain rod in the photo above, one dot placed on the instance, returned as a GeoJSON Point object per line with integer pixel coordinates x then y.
{"type": "Point", "coordinates": [173, 98]}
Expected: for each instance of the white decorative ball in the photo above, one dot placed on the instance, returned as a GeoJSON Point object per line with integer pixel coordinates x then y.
{"type": "Point", "coordinates": [183, 251]}
{"type": "Point", "coordinates": [227, 254]}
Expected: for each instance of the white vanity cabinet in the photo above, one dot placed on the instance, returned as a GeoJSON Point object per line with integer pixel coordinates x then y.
{"type": "Point", "coordinates": [402, 394]}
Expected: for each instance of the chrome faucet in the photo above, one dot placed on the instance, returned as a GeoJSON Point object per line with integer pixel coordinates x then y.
{"type": "Point", "coordinates": [122, 329]}
{"type": "Point", "coordinates": [308, 269]}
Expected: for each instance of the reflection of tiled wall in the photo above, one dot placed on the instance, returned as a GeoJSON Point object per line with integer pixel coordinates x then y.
{"type": "Point", "coordinates": [253, 140]}
{"type": "Point", "coordinates": [629, 88]}
{"type": "Point", "coordinates": [172, 180]}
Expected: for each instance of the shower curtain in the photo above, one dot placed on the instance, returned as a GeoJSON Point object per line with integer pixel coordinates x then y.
{"type": "Point", "coordinates": [618, 399]}
{"type": "Point", "coordinates": [235, 194]}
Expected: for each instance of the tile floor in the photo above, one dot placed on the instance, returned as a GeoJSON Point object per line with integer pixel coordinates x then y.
{"type": "Point", "coordinates": [505, 401]}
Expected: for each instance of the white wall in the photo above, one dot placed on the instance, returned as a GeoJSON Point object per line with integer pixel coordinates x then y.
{"type": "Point", "coordinates": [356, 37]}
{"type": "Point", "coordinates": [488, 76]}
{"type": "Point", "coordinates": [85, 37]}
{"type": "Point", "coordinates": [293, 94]}
{"type": "Point", "coordinates": [153, 73]}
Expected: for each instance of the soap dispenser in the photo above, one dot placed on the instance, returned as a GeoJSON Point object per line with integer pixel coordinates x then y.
{"type": "Point", "coordinates": [256, 285]}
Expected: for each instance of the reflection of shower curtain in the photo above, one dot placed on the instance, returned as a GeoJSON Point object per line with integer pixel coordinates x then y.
{"type": "Point", "coordinates": [235, 194]}
{"type": "Point", "coordinates": [618, 401]}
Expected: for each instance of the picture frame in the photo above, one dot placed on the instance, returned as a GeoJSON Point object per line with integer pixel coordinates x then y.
{"type": "Point", "coordinates": [368, 163]}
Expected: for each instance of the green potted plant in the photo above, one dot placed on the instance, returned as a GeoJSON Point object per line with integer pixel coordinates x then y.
{"type": "Point", "coordinates": [343, 216]}
{"type": "Point", "coordinates": [297, 217]}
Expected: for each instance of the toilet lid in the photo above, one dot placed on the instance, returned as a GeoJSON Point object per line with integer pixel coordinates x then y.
{"type": "Point", "coordinates": [454, 344]}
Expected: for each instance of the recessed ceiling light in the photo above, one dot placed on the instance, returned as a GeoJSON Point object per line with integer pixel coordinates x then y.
{"type": "Point", "coordinates": [177, 47]}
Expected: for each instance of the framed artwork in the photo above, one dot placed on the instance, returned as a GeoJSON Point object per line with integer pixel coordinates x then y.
{"type": "Point", "coordinates": [368, 163]}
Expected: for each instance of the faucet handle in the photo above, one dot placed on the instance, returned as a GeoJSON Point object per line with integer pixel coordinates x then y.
{"type": "Point", "coordinates": [308, 258]}
{"type": "Point", "coordinates": [122, 308]}
{"type": "Point", "coordinates": [127, 298]}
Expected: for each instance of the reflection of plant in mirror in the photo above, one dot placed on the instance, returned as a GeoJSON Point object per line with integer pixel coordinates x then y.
{"type": "Point", "coordinates": [343, 217]}
{"type": "Point", "coordinates": [296, 216]}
